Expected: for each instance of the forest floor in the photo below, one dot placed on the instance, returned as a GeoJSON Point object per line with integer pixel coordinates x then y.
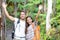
{"type": "Point", "coordinates": [9, 34]}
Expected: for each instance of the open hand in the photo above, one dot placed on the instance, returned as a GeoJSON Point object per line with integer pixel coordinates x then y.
{"type": "Point", "coordinates": [40, 7]}
{"type": "Point", "coordinates": [4, 5]}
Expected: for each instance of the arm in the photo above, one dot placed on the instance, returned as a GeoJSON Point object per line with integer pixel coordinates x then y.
{"type": "Point", "coordinates": [38, 13]}
{"type": "Point", "coordinates": [36, 18]}
{"type": "Point", "coordinates": [6, 12]}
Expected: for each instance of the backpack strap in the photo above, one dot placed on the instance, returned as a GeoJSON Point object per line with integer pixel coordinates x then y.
{"type": "Point", "coordinates": [36, 32]}
{"type": "Point", "coordinates": [14, 29]}
{"type": "Point", "coordinates": [18, 21]}
{"type": "Point", "coordinates": [16, 24]}
{"type": "Point", "coordinates": [33, 26]}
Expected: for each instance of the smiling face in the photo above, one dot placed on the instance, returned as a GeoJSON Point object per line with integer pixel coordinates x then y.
{"type": "Point", "coordinates": [29, 20]}
{"type": "Point", "coordinates": [22, 15]}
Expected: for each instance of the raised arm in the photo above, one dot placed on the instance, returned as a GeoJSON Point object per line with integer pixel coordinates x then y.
{"type": "Point", "coordinates": [6, 12]}
{"type": "Point", "coordinates": [39, 8]}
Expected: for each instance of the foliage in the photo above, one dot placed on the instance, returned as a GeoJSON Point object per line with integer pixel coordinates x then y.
{"type": "Point", "coordinates": [55, 23]}
{"type": "Point", "coordinates": [31, 7]}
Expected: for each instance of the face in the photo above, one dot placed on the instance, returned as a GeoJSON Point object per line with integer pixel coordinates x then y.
{"type": "Point", "coordinates": [22, 16]}
{"type": "Point", "coordinates": [29, 20]}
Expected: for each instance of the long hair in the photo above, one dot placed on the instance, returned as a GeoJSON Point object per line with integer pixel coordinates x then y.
{"type": "Point", "coordinates": [27, 25]}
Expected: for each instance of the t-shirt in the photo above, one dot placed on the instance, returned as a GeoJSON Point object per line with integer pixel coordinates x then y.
{"type": "Point", "coordinates": [30, 33]}
{"type": "Point", "coordinates": [19, 28]}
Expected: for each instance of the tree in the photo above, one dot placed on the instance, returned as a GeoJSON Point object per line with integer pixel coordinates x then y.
{"type": "Point", "coordinates": [49, 12]}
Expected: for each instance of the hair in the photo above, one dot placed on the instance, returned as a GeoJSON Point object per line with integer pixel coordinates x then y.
{"type": "Point", "coordinates": [20, 13]}
{"type": "Point", "coordinates": [27, 25]}
{"type": "Point", "coordinates": [23, 11]}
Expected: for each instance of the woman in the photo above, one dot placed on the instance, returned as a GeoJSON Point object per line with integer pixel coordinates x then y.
{"type": "Point", "coordinates": [32, 29]}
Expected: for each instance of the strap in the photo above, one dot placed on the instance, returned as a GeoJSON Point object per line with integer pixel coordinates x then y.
{"type": "Point", "coordinates": [33, 26]}
{"type": "Point", "coordinates": [18, 22]}
{"type": "Point", "coordinates": [16, 25]}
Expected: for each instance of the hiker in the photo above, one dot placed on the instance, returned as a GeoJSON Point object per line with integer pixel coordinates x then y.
{"type": "Point", "coordinates": [32, 29]}
{"type": "Point", "coordinates": [19, 24]}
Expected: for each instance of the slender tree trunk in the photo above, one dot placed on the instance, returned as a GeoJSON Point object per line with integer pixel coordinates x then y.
{"type": "Point", "coordinates": [54, 7]}
{"type": "Point", "coordinates": [49, 11]}
{"type": "Point", "coordinates": [3, 22]}
{"type": "Point", "coordinates": [0, 23]}
{"type": "Point", "coordinates": [15, 9]}
{"type": "Point", "coordinates": [24, 5]}
{"type": "Point", "coordinates": [43, 4]}
{"type": "Point", "coordinates": [0, 20]}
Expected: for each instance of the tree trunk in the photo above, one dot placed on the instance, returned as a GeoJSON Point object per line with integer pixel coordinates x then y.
{"type": "Point", "coordinates": [49, 11]}
{"type": "Point", "coordinates": [15, 9]}
{"type": "Point", "coordinates": [54, 7]}
{"type": "Point", "coordinates": [0, 23]}
{"type": "Point", "coordinates": [3, 22]}
{"type": "Point", "coordinates": [44, 5]}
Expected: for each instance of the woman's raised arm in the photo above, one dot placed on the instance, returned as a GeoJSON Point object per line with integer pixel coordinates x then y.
{"type": "Point", "coordinates": [39, 8]}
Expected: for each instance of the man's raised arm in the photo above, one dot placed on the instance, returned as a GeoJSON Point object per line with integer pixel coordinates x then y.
{"type": "Point", "coordinates": [6, 12]}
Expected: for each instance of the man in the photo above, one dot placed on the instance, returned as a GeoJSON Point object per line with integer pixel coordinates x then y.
{"type": "Point", "coordinates": [20, 27]}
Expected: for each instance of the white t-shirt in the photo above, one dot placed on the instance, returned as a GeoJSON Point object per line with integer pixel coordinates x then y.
{"type": "Point", "coordinates": [19, 28]}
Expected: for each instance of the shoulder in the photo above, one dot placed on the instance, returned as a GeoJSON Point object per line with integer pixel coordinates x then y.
{"type": "Point", "coordinates": [33, 24]}
{"type": "Point", "coordinates": [16, 19]}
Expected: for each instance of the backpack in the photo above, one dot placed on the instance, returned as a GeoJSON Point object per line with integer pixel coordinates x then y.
{"type": "Point", "coordinates": [36, 32]}
{"type": "Point", "coordinates": [13, 31]}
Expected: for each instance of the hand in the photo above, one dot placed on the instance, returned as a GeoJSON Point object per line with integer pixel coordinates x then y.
{"type": "Point", "coordinates": [40, 7]}
{"type": "Point", "coordinates": [4, 5]}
